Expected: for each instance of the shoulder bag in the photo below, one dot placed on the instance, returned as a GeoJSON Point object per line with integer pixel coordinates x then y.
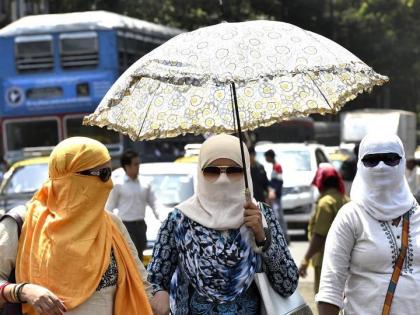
{"type": "Point", "coordinates": [273, 303]}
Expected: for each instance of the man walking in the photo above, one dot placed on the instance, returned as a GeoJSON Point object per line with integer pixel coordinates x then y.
{"type": "Point", "coordinates": [276, 182]}
{"type": "Point", "coordinates": [130, 198]}
{"type": "Point", "coordinates": [260, 181]}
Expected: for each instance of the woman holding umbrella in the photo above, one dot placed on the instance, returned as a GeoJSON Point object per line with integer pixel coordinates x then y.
{"type": "Point", "coordinates": [203, 258]}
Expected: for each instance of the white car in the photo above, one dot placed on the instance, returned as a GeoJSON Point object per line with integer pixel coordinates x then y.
{"type": "Point", "coordinates": [172, 183]}
{"type": "Point", "coordinates": [299, 162]}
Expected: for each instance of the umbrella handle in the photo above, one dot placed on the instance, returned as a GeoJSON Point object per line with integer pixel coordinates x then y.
{"type": "Point", "coordinates": [247, 195]}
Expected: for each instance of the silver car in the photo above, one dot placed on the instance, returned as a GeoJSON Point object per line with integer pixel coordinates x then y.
{"type": "Point", "coordinates": [299, 162]}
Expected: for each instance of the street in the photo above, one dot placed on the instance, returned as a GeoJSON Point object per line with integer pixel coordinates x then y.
{"type": "Point", "coordinates": [298, 248]}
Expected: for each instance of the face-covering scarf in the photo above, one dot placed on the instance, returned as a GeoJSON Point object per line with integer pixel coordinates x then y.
{"type": "Point", "coordinates": [67, 236]}
{"type": "Point", "coordinates": [219, 268]}
{"type": "Point", "coordinates": [382, 191]}
{"type": "Point", "coordinates": [218, 205]}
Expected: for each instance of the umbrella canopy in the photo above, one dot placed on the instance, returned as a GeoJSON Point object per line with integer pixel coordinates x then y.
{"type": "Point", "coordinates": [277, 70]}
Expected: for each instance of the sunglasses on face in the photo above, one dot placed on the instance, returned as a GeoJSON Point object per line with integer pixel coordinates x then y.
{"type": "Point", "coordinates": [390, 159]}
{"type": "Point", "coordinates": [104, 173]}
{"type": "Point", "coordinates": [214, 172]}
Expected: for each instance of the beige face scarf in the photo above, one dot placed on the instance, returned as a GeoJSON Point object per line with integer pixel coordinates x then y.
{"type": "Point", "coordinates": [220, 204]}
{"type": "Point", "coordinates": [382, 190]}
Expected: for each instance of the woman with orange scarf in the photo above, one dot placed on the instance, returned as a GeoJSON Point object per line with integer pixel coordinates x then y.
{"type": "Point", "coordinates": [73, 256]}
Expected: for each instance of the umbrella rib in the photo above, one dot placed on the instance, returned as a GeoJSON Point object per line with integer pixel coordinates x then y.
{"type": "Point", "coordinates": [145, 116]}
{"type": "Point", "coordinates": [322, 93]}
{"type": "Point", "coordinates": [233, 109]}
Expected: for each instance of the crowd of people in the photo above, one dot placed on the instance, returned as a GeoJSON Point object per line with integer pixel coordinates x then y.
{"type": "Point", "coordinates": [76, 247]}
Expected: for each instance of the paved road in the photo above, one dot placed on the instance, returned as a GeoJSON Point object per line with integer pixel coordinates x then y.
{"type": "Point", "coordinates": [306, 285]}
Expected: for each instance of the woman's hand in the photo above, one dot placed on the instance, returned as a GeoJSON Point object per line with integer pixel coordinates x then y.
{"type": "Point", "coordinates": [253, 220]}
{"type": "Point", "coordinates": [42, 300]}
{"type": "Point", "coordinates": [160, 303]}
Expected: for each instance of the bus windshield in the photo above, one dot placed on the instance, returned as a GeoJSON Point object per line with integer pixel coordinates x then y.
{"type": "Point", "coordinates": [75, 128]}
{"type": "Point", "coordinates": [31, 133]}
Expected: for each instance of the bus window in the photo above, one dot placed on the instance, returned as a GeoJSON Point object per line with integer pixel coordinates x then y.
{"type": "Point", "coordinates": [30, 133]}
{"type": "Point", "coordinates": [74, 128]}
{"type": "Point", "coordinates": [132, 47]}
{"type": "Point", "coordinates": [44, 93]}
{"type": "Point", "coordinates": [79, 50]}
{"type": "Point", "coordinates": [34, 53]}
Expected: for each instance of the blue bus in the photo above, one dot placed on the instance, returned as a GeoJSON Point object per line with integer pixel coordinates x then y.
{"type": "Point", "coordinates": [55, 69]}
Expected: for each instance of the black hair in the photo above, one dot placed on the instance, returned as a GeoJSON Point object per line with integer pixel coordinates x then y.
{"type": "Point", "coordinates": [356, 149]}
{"type": "Point", "coordinates": [270, 153]}
{"type": "Point", "coordinates": [251, 150]}
{"type": "Point", "coordinates": [127, 156]}
{"type": "Point", "coordinates": [330, 182]}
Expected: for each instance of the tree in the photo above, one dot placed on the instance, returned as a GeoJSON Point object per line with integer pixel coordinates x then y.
{"type": "Point", "coordinates": [383, 33]}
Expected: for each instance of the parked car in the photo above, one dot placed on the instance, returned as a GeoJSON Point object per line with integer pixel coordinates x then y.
{"type": "Point", "coordinates": [337, 156]}
{"type": "Point", "coordinates": [21, 181]}
{"type": "Point", "coordinates": [172, 183]}
{"type": "Point", "coordinates": [299, 162]}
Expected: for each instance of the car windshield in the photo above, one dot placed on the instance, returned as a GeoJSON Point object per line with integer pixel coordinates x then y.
{"type": "Point", "coordinates": [171, 189]}
{"type": "Point", "coordinates": [290, 159]}
{"type": "Point", "coordinates": [27, 179]}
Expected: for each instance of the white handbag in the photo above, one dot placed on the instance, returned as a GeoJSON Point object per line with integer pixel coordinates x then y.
{"type": "Point", "coordinates": [273, 303]}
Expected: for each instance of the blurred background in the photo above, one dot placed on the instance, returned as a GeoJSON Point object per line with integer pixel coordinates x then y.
{"type": "Point", "coordinates": [52, 75]}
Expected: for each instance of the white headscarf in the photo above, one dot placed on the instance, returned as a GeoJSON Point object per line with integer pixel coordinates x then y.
{"type": "Point", "coordinates": [220, 204]}
{"type": "Point", "coordinates": [382, 190]}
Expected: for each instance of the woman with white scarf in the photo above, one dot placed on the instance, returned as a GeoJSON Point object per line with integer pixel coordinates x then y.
{"type": "Point", "coordinates": [204, 259]}
{"type": "Point", "coordinates": [364, 241]}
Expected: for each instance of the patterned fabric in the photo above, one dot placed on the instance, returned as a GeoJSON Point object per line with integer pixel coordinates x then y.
{"type": "Point", "coordinates": [394, 245]}
{"type": "Point", "coordinates": [220, 267]}
{"type": "Point", "coordinates": [165, 266]}
{"type": "Point", "coordinates": [398, 266]}
{"type": "Point", "coordinates": [246, 303]}
{"type": "Point", "coordinates": [280, 71]}
{"type": "Point", "coordinates": [110, 277]}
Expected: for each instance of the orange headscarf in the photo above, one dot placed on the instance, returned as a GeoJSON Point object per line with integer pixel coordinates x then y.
{"type": "Point", "coordinates": [67, 236]}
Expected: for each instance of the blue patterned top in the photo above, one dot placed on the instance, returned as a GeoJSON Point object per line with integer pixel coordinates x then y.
{"type": "Point", "coordinates": [166, 272]}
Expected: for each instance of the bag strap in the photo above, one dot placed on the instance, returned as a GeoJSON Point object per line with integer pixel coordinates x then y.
{"type": "Point", "coordinates": [398, 265]}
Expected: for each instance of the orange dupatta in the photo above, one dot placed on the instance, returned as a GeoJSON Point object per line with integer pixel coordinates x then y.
{"type": "Point", "coordinates": [67, 236]}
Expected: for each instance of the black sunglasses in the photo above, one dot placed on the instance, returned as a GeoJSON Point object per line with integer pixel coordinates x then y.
{"type": "Point", "coordinates": [390, 159]}
{"type": "Point", "coordinates": [104, 173]}
{"type": "Point", "coordinates": [215, 171]}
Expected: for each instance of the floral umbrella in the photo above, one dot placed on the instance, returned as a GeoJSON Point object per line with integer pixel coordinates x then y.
{"type": "Point", "coordinates": [265, 71]}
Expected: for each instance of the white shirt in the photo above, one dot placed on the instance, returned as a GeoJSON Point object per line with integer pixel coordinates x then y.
{"type": "Point", "coordinates": [359, 259]}
{"type": "Point", "coordinates": [129, 198]}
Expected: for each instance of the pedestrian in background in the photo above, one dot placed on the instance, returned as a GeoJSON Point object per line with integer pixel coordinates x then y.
{"type": "Point", "coordinates": [348, 168]}
{"type": "Point", "coordinates": [204, 258]}
{"type": "Point", "coordinates": [276, 183]}
{"type": "Point", "coordinates": [411, 175]}
{"type": "Point", "coordinates": [129, 199]}
{"type": "Point", "coordinates": [259, 178]}
{"type": "Point", "coordinates": [72, 256]}
{"type": "Point", "coordinates": [332, 198]}
{"type": "Point", "coordinates": [369, 233]}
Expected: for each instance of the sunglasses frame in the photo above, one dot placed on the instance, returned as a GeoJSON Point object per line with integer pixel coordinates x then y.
{"type": "Point", "coordinates": [390, 159]}
{"type": "Point", "coordinates": [223, 170]}
{"type": "Point", "coordinates": [104, 173]}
